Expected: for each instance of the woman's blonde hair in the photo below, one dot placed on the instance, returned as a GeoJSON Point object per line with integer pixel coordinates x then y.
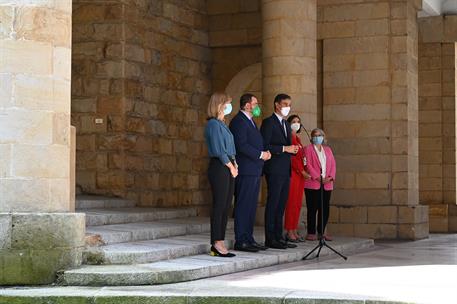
{"type": "Point", "coordinates": [215, 103]}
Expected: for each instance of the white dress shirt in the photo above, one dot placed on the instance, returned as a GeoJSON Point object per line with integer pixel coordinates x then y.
{"type": "Point", "coordinates": [322, 160]}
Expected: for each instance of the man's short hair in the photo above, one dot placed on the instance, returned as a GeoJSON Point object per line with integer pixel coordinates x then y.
{"type": "Point", "coordinates": [245, 98]}
{"type": "Point", "coordinates": [281, 97]}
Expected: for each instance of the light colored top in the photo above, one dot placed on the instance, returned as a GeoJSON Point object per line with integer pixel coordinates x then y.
{"type": "Point", "coordinates": [322, 160]}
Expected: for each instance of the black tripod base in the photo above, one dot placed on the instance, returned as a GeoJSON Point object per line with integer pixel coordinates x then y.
{"type": "Point", "coordinates": [321, 244]}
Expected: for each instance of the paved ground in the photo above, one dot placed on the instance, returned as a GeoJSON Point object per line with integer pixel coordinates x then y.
{"type": "Point", "coordinates": [415, 272]}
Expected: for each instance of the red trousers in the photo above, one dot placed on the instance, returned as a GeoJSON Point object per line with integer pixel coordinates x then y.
{"type": "Point", "coordinates": [294, 202]}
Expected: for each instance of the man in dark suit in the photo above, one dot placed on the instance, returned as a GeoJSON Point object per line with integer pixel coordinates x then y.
{"type": "Point", "coordinates": [250, 157]}
{"type": "Point", "coordinates": [277, 139]}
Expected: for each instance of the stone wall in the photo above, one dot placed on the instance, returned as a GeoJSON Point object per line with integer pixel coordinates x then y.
{"type": "Point", "coordinates": [235, 37]}
{"type": "Point", "coordinates": [144, 71]}
{"type": "Point", "coordinates": [437, 97]}
{"type": "Point", "coordinates": [371, 116]}
{"type": "Point", "coordinates": [98, 93]}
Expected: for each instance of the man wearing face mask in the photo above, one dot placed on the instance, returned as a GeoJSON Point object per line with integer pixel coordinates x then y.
{"type": "Point", "coordinates": [250, 157]}
{"type": "Point", "coordinates": [276, 133]}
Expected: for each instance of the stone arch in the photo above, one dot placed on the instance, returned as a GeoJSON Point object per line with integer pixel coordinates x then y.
{"type": "Point", "coordinates": [248, 80]}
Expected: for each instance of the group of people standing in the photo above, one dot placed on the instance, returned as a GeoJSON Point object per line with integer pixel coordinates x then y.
{"type": "Point", "coordinates": [241, 153]}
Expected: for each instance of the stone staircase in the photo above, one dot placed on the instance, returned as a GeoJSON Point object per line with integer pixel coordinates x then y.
{"type": "Point", "coordinates": [128, 245]}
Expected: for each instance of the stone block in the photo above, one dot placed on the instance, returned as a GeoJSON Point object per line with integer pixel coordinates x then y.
{"type": "Point", "coordinates": [41, 161]}
{"type": "Point", "coordinates": [33, 92]}
{"type": "Point", "coordinates": [61, 129]}
{"type": "Point", "coordinates": [363, 11]}
{"type": "Point", "coordinates": [88, 125]}
{"type": "Point", "coordinates": [228, 38]}
{"type": "Point", "coordinates": [35, 267]}
{"type": "Point", "coordinates": [43, 24]}
{"type": "Point", "coordinates": [356, 45]}
{"type": "Point", "coordinates": [62, 62]}
{"type": "Point", "coordinates": [371, 78]}
{"type": "Point", "coordinates": [383, 215]}
{"type": "Point", "coordinates": [83, 105]}
{"type": "Point", "coordinates": [5, 231]}
{"type": "Point", "coordinates": [376, 231]}
{"type": "Point", "coordinates": [38, 231]}
{"type": "Point", "coordinates": [353, 215]}
{"type": "Point", "coordinates": [329, 30]}
{"type": "Point", "coordinates": [450, 24]}
{"type": "Point", "coordinates": [6, 23]}
{"type": "Point", "coordinates": [372, 61]}
{"type": "Point", "coordinates": [356, 112]}
{"type": "Point", "coordinates": [336, 63]}
{"type": "Point", "coordinates": [377, 95]}
{"type": "Point", "coordinates": [452, 224]}
{"type": "Point", "coordinates": [345, 180]}
{"type": "Point", "coordinates": [6, 90]}
{"type": "Point", "coordinates": [5, 160]}
{"type": "Point", "coordinates": [216, 7]}
{"type": "Point", "coordinates": [439, 224]}
{"type": "Point", "coordinates": [24, 195]}
{"type": "Point", "coordinates": [398, 27]}
{"type": "Point", "coordinates": [413, 231]}
{"type": "Point", "coordinates": [339, 229]}
{"type": "Point", "coordinates": [376, 27]}
{"type": "Point", "coordinates": [359, 197]}
{"type": "Point", "coordinates": [372, 180]}
{"type": "Point", "coordinates": [28, 57]}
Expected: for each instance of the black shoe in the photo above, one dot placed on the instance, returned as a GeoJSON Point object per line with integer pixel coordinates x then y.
{"type": "Point", "coordinates": [215, 252]}
{"type": "Point", "coordinates": [258, 246]}
{"type": "Point", "coordinates": [275, 245]}
{"type": "Point", "coordinates": [245, 247]}
{"type": "Point", "coordinates": [287, 245]}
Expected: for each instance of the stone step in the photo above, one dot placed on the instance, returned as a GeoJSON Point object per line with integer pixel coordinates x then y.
{"type": "Point", "coordinates": [111, 216]}
{"type": "Point", "coordinates": [148, 251]}
{"type": "Point", "coordinates": [121, 233]}
{"type": "Point", "coordinates": [196, 266]}
{"type": "Point", "coordinates": [85, 201]}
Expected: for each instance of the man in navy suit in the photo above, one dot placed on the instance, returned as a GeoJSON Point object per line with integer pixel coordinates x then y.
{"type": "Point", "coordinates": [277, 139]}
{"type": "Point", "coordinates": [250, 157]}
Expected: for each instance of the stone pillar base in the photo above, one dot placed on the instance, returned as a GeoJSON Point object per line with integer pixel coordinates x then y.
{"type": "Point", "coordinates": [34, 246]}
{"type": "Point", "coordinates": [380, 222]}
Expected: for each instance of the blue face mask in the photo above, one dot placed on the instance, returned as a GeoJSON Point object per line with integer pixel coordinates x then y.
{"type": "Point", "coordinates": [228, 109]}
{"type": "Point", "coordinates": [318, 140]}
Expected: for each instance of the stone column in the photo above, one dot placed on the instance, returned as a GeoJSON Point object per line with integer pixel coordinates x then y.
{"type": "Point", "coordinates": [38, 234]}
{"type": "Point", "coordinates": [289, 56]}
{"type": "Point", "coordinates": [371, 116]}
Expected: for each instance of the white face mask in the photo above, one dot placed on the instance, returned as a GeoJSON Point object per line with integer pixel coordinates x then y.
{"type": "Point", "coordinates": [295, 126]}
{"type": "Point", "coordinates": [285, 111]}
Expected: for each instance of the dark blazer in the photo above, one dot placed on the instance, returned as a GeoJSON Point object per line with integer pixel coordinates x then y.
{"type": "Point", "coordinates": [274, 139]}
{"type": "Point", "coordinates": [248, 144]}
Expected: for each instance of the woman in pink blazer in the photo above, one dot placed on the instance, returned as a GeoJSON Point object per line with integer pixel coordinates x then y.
{"type": "Point", "coordinates": [320, 163]}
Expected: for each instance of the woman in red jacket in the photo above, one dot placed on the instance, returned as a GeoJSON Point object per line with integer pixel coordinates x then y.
{"type": "Point", "coordinates": [297, 184]}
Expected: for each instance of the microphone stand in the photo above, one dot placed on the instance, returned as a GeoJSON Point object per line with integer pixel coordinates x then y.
{"type": "Point", "coordinates": [322, 242]}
